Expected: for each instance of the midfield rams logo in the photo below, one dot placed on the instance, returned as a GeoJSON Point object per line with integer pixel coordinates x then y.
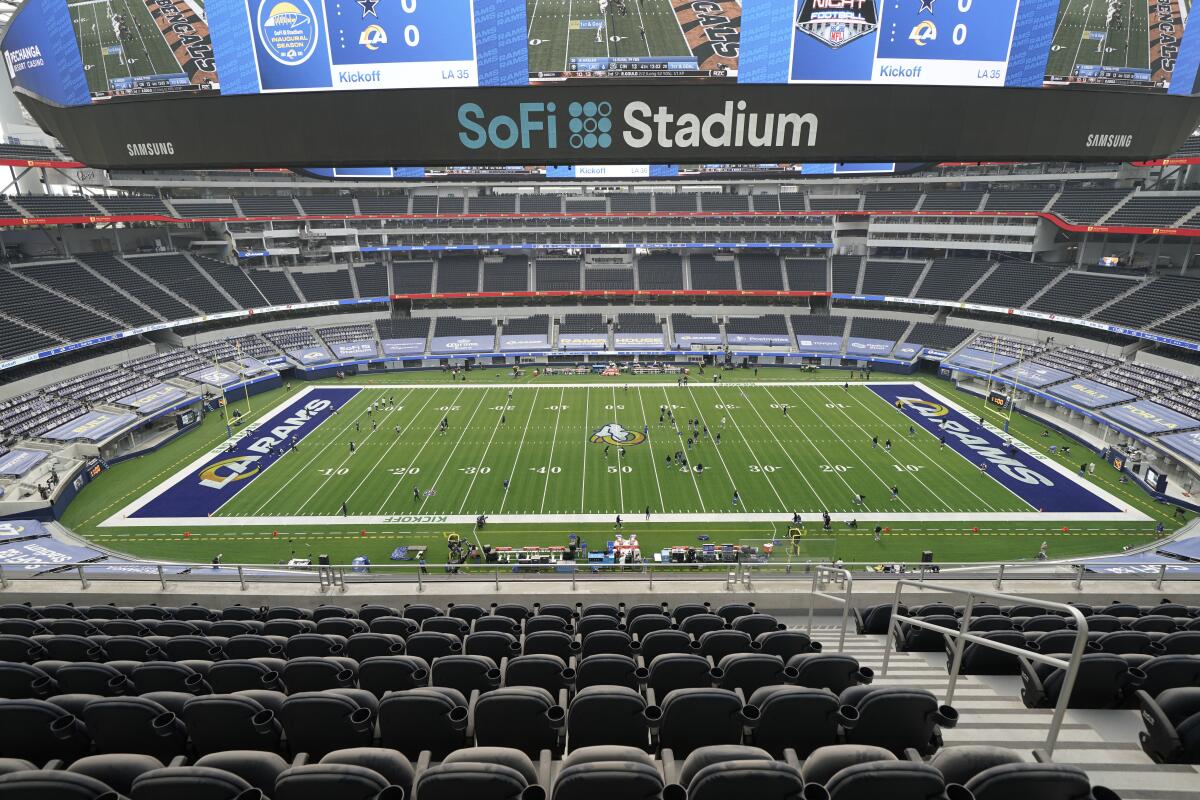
{"type": "Point", "coordinates": [837, 22]}
{"type": "Point", "coordinates": [616, 433]}
{"type": "Point", "coordinates": [288, 34]}
{"type": "Point", "coordinates": [237, 469]}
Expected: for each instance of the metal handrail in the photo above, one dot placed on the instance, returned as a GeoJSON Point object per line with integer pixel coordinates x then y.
{"type": "Point", "coordinates": [848, 580]}
{"type": "Point", "coordinates": [962, 636]}
{"type": "Point", "coordinates": [731, 573]}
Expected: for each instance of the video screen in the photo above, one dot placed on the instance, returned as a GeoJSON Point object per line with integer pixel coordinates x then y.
{"type": "Point", "coordinates": [632, 40]}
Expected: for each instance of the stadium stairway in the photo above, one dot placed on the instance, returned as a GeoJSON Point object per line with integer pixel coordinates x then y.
{"type": "Point", "coordinates": [1104, 743]}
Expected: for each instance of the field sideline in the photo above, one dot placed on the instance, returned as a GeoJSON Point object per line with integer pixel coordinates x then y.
{"type": "Point", "coordinates": [268, 539]}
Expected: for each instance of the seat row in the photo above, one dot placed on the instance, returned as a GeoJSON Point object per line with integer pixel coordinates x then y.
{"type": "Point", "coordinates": [427, 645]}
{"type": "Point", "coordinates": [367, 612]}
{"type": "Point", "coordinates": [694, 624]}
{"type": "Point", "coordinates": [719, 772]}
{"type": "Point", "coordinates": [441, 720]}
{"type": "Point", "coordinates": [1165, 617]}
{"type": "Point", "coordinates": [466, 673]}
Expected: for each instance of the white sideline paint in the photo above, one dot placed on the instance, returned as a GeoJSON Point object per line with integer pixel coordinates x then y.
{"type": "Point", "coordinates": [121, 518]}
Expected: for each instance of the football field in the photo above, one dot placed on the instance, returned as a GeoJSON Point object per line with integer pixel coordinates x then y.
{"type": "Point", "coordinates": [560, 30]}
{"type": "Point", "coordinates": [1082, 36]}
{"type": "Point", "coordinates": [106, 56]}
{"type": "Point", "coordinates": [565, 453]}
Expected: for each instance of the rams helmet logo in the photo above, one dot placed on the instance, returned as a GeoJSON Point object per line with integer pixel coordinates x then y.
{"type": "Point", "coordinates": [616, 433]}
{"type": "Point", "coordinates": [238, 468]}
{"type": "Point", "coordinates": [925, 408]}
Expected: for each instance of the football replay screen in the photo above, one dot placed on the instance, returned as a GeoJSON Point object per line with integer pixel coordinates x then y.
{"type": "Point", "coordinates": [76, 52]}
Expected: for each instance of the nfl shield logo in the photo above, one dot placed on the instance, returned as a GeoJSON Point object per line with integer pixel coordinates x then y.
{"type": "Point", "coordinates": [837, 22]}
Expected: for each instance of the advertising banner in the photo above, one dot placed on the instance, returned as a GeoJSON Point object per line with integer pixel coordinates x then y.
{"type": "Point", "coordinates": [21, 529]}
{"type": "Point", "coordinates": [760, 339]}
{"type": "Point", "coordinates": [1146, 416]}
{"type": "Point", "coordinates": [214, 376]}
{"type": "Point", "coordinates": [582, 341]}
{"type": "Point", "coordinates": [1186, 444]}
{"type": "Point", "coordinates": [360, 349]}
{"type": "Point", "coordinates": [856, 346]}
{"type": "Point", "coordinates": [16, 463]}
{"type": "Point", "coordinates": [523, 342]}
{"type": "Point", "coordinates": [907, 350]}
{"type": "Point", "coordinates": [463, 344]}
{"type": "Point", "coordinates": [1088, 393]}
{"type": "Point", "coordinates": [639, 341]}
{"type": "Point", "coordinates": [149, 400]}
{"type": "Point", "coordinates": [309, 356]}
{"type": "Point", "coordinates": [689, 339]}
{"type": "Point", "coordinates": [94, 426]}
{"type": "Point", "coordinates": [44, 554]}
{"type": "Point", "coordinates": [979, 359]}
{"type": "Point", "coordinates": [1035, 375]}
{"type": "Point", "coordinates": [403, 347]}
{"type": "Point", "coordinates": [818, 344]}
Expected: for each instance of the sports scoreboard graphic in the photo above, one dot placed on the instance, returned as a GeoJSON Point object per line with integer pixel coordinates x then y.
{"type": "Point", "coordinates": [75, 52]}
{"type": "Point", "coordinates": [939, 42]}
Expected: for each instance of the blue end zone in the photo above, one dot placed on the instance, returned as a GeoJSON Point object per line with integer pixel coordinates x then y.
{"type": "Point", "coordinates": [214, 483]}
{"type": "Point", "coordinates": [1028, 478]}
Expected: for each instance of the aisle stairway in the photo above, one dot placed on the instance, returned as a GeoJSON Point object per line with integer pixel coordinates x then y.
{"type": "Point", "coordinates": [1105, 743]}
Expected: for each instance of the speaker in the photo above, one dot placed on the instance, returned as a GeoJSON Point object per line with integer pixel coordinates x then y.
{"type": "Point", "coordinates": [926, 556]}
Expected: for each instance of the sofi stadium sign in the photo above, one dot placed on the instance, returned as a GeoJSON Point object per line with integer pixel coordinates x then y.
{"type": "Point", "coordinates": [596, 125]}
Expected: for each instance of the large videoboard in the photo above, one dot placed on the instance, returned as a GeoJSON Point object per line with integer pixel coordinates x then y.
{"type": "Point", "coordinates": [76, 52]}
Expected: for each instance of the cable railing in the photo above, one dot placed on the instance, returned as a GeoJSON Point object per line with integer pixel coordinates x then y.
{"type": "Point", "coordinates": [733, 574]}
{"type": "Point", "coordinates": [962, 636]}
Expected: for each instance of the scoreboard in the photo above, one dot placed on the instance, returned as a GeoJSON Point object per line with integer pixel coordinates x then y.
{"type": "Point", "coordinates": [941, 42]}
{"type": "Point", "coordinates": [76, 52]}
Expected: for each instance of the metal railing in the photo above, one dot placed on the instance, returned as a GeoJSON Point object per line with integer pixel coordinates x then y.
{"type": "Point", "coordinates": [821, 576]}
{"type": "Point", "coordinates": [963, 635]}
{"type": "Point", "coordinates": [732, 574]}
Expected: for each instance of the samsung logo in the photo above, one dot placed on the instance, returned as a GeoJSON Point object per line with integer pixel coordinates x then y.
{"type": "Point", "coordinates": [144, 149]}
{"type": "Point", "coordinates": [1110, 140]}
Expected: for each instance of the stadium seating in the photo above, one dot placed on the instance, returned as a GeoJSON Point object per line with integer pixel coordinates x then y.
{"type": "Point", "coordinates": [895, 278]}
{"type": "Point", "coordinates": [180, 275]}
{"type": "Point", "coordinates": [660, 271]}
{"type": "Point", "coordinates": [323, 285]}
{"type": "Point", "coordinates": [710, 273]}
{"type": "Point", "coordinates": [557, 275]}
{"type": "Point", "coordinates": [846, 271]}
{"type": "Point", "coordinates": [1013, 284]}
{"type": "Point", "coordinates": [458, 274]}
{"type": "Point", "coordinates": [950, 278]}
{"type": "Point", "coordinates": [275, 286]}
{"type": "Point", "coordinates": [412, 277]}
{"type": "Point", "coordinates": [807, 274]}
{"type": "Point", "coordinates": [68, 278]}
{"type": "Point", "coordinates": [1087, 205]}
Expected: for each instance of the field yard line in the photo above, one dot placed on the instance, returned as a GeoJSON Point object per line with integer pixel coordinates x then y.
{"type": "Point", "coordinates": [513, 472]}
{"type": "Point", "coordinates": [854, 451]}
{"type": "Point", "coordinates": [952, 476]}
{"type": "Point", "coordinates": [99, 44]}
{"type": "Point", "coordinates": [1059, 23]}
{"type": "Point", "coordinates": [1149, 43]}
{"type": "Point", "coordinates": [788, 455]}
{"type": "Point", "coordinates": [388, 449]}
{"type": "Point", "coordinates": [453, 450]}
{"type": "Point", "coordinates": [732, 482]}
{"type": "Point", "coordinates": [422, 450]}
{"type": "Point", "coordinates": [142, 39]}
{"type": "Point", "coordinates": [646, 38]}
{"type": "Point", "coordinates": [620, 463]}
{"type": "Point", "coordinates": [331, 475]}
{"type": "Point", "coordinates": [553, 440]}
{"type": "Point", "coordinates": [587, 424]}
{"type": "Point", "coordinates": [532, 17]}
{"type": "Point", "coordinates": [695, 482]}
{"type": "Point", "coordinates": [662, 504]}
{"type": "Point", "coordinates": [306, 464]}
{"type": "Point", "coordinates": [483, 456]}
{"type": "Point", "coordinates": [1086, 19]}
{"type": "Point", "coordinates": [566, 62]}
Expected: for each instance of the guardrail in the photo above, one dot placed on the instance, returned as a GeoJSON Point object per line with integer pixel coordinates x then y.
{"type": "Point", "coordinates": [962, 636]}
{"type": "Point", "coordinates": [821, 576]}
{"type": "Point", "coordinates": [732, 574]}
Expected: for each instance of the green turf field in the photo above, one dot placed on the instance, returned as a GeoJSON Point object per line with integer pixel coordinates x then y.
{"type": "Point", "coordinates": [1083, 37]}
{"type": "Point", "coordinates": [557, 35]}
{"type": "Point", "coordinates": [543, 448]}
{"type": "Point", "coordinates": [817, 456]}
{"type": "Point", "coordinates": [105, 56]}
